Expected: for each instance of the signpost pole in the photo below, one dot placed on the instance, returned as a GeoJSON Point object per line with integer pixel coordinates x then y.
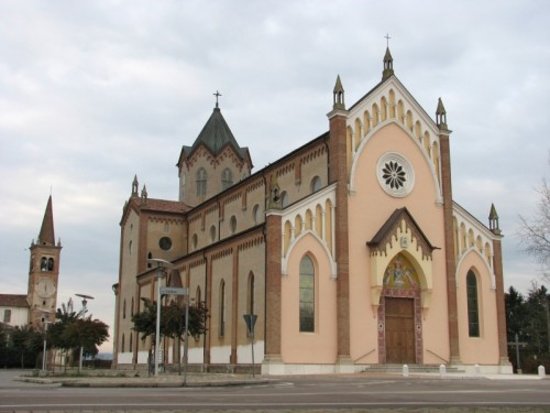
{"type": "Point", "coordinates": [252, 345]}
{"type": "Point", "coordinates": [162, 267]}
{"type": "Point", "coordinates": [157, 332]}
{"type": "Point", "coordinates": [186, 344]}
{"type": "Point", "coordinates": [250, 320]}
{"type": "Point", "coordinates": [517, 354]}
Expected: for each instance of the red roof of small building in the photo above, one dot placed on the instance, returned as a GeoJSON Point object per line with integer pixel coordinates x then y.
{"type": "Point", "coordinates": [13, 300]}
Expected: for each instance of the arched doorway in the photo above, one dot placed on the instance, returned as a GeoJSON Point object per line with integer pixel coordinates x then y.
{"type": "Point", "coordinates": [399, 314]}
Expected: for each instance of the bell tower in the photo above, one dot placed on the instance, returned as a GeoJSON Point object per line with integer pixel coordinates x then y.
{"type": "Point", "coordinates": [44, 272]}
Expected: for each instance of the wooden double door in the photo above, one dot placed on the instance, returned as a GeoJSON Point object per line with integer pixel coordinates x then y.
{"type": "Point", "coordinates": [400, 337]}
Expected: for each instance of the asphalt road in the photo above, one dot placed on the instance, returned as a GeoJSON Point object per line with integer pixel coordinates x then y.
{"type": "Point", "coordinates": [325, 393]}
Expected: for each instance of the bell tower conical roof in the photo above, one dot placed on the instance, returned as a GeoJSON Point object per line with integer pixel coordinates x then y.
{"type": "Point", "coordinates": [47, 235]}
{"type": "Point", "coordinates": [216, 134]}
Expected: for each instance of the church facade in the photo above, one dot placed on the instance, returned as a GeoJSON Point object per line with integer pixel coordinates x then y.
{"type": "Point", "coordinates": [350, 249]}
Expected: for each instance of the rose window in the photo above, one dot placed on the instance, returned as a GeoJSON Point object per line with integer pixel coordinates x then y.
{"type": "Point", "coordinates": [395, 174]}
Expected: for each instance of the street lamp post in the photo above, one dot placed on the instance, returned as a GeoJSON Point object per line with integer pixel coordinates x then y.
{"type": "Point", "coordinates": [83, 311]}
{"type": "Point", "coordinates": [46, 321]}
{"type": "Point", "coordinates": [162, 266]}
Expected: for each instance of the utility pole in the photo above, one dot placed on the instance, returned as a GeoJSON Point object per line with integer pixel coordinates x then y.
{"type": "Point", "coordinates": [517, 344]}
{"type": "Point", "coordinates": [547, 320]}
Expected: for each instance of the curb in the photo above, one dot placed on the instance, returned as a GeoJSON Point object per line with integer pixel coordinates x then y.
{"type": "Point", "coordinates": [163, 384]}
{"type": "Point", "coordinates": [143, 384]}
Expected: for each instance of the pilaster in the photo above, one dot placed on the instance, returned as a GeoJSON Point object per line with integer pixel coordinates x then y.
{"type": "Point", "coordinates": [501, 308]}
{"type": "Point", "coordinates": [273, 245]}
{"type": "Point", "coordinates": [450, 261]}
{"type": "Point", "coordinates": [338, 173]}
{"type": "Point", "coordinates": [234, 306]}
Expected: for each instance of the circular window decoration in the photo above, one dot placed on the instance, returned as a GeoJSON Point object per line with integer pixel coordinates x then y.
{"type": "Point", "coordinates": [165, 243]}
{"type": "Point", "coordinates": [395, 174]}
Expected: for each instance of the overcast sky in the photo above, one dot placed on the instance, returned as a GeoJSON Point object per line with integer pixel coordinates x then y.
{"type": "Point", "coordinates": [93, 92]}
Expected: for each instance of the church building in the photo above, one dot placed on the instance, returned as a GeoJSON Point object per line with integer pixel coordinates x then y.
{"type": "Point", "coordinates": [350, 249]}
{"type": "Point", "coordinates": [39, 304]}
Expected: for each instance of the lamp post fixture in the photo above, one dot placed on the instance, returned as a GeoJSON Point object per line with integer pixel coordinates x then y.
{"type": "Point", "coordinates": [162, 266]}
{"type": "Point", "coordinates": [83, 311]}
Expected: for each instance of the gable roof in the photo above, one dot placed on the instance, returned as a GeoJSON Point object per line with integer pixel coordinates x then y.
{"type": "Point", "coordinates": [13, 300]}
{"type": "Point", "coordinates": [153, 205]}
{"type": "Point", "coordinates": [389, 228]}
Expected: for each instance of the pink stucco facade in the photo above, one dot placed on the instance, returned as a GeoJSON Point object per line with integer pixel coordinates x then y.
{"type": "Point", "coordinates": [350, 249]}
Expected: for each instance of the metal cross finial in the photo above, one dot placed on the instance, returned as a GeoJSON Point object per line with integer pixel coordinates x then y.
{"type": "Point", "coordinates": [217, 94]}
{"type": "Point", "coordinates": [387, 37]}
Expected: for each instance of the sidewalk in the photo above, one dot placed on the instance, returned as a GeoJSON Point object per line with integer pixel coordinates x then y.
{"type": "Point", "coordinates": [221, 379]}
{"type": "Point", "coordinates": [163, 380]}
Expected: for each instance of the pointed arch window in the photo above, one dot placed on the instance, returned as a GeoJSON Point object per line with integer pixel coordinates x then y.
{"type": "Point", "coordinates": [43, 264]}
{"type": "Point", "coordinates": [250, 295]}
{"type": "Point", "coordinates": [307, 295]}
{"type": "Point", "coordinates": [233, 224]}
{"type": "Point", "coordinates": [222, 309]}
{"type": "Point", "coordinates": [124, 309]}
{"type": "Point", "coordinates": [201, 182]}
{"type": "Point", "coordinates": [315, 184]}
{"type": "Point", "coordinates": [284, 199]}
{"type": "Point", "coordinates": [473, 305]}
{"type": "Point", "coordinates": [132, 308]}
{"type": "Point", "coordinates": [256, 214]}
{"type": "Point", "coordinates": [227, 178]}
{"type": "Point", "coordinates": [122, 346]}
{"type": "Point", "coordinates": [198, 296]}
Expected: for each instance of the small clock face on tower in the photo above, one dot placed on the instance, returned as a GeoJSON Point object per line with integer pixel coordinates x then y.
{"type": "Point", "coordinates": [45, 288]}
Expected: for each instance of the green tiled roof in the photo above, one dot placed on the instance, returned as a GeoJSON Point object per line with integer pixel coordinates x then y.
{"type": "Point", "coordinates": [215, 135]}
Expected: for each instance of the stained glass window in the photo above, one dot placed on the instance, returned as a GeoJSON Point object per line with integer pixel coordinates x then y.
{"type": "Point", "coordinates": [473, 310]}
{"type": "Point", "coordinates": [307, 295]}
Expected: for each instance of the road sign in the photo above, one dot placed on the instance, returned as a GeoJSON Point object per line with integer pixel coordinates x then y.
{"type": "Point", "coordinates": [250, 320]}
{"type": "Point", "coordinates": [173, 291]}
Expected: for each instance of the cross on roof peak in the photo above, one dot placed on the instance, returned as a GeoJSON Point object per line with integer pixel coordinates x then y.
{"type": "Point", "coordinates": [387, 37]}
{"type": "Point", "coordinates": [217, 94]}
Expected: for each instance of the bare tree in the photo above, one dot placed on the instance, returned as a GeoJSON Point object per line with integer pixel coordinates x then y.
{"type": "Point", "coordinates": [535, 232]}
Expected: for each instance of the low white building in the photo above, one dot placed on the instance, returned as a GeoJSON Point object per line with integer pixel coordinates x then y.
{"type": "Point", "coordinates": [14, 309]}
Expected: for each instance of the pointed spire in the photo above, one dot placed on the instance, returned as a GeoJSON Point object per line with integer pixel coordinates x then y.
{"type": "Point", "coordinates": [338, 95]}
{"type": "Point", "coordinates": [493, 221]}
{"type": "Point", "coordinates": [441, 115]}
{"type": "Point", "coordinates": [135, 186]}
{"type": "Point", "coordinates": [144, 193]}
{"type": "Point", "coordinates": [47, 236]}
{"type": "Point", "coordinates": [388, 65]}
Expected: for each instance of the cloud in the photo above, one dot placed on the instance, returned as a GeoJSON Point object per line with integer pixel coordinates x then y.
{"type": "Point", "coordinates": [92, 93]}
